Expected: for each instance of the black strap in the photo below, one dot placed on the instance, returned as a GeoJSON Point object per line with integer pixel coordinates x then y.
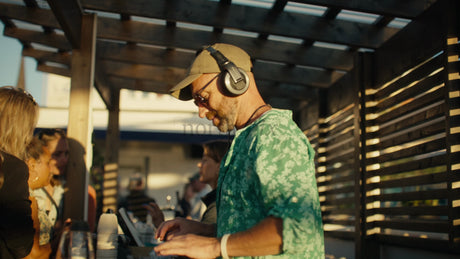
{"type": "Point", "coordinates": [52, 201]}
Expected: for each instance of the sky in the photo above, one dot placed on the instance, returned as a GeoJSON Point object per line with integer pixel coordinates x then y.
{"type": "Point", "coordinates": [10, 57]}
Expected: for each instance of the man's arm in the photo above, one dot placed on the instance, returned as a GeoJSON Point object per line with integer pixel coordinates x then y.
{"type": "Point", "coordinates": [263, 239]}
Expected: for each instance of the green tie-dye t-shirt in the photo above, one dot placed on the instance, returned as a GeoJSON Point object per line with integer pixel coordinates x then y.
{"type": "Point", "coordinates": [269, 171]}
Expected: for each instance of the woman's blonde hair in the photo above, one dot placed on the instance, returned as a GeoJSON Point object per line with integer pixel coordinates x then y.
{"type": "Point", "coordinates": [18, 118]}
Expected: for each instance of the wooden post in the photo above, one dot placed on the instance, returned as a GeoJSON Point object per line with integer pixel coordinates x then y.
{"type": "Point", "coordinates": [112, 144]}
{"type": "Point", "coordinates": [80, 126]}
{"type": "Point", "coordinates": [452, 97]}
{"type": "Point", "coordinates": [365, 246]}
{"type": "Point", "coordinates": [359, 119]}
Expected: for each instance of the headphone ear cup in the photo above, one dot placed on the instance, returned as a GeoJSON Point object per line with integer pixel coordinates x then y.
{"type": "Point", "coordinates": [235, 89]}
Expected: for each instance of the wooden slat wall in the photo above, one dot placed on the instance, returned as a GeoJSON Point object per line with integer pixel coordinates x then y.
{"type": "Point", "coordinates": [404, 160]}
{"type": "Point", "coordinates": [336, 160]}
{"type": "Point", "coordinates": [452, 48]}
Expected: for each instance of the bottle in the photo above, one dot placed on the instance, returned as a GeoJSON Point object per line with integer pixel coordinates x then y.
{"type": "Point", "coordinates": [76, 242]}
{"type": "Point", "coordinates": [107, 236]}
{"type": "Point", "coordinates": [179, 212]}
{"type": "Point", "coordinates": [168, 210]}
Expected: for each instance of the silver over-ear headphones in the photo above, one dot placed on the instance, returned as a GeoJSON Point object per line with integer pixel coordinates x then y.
{"type": "Point", "coordinates": [234, 79]}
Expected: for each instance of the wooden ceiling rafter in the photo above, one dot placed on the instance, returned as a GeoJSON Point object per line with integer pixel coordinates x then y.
{"type": "Point", "coordinates": [247, 18]}
{"type": "Point", "coordinates": [408, 9]}
{"type": "Point", "coordinates": [295, 53]}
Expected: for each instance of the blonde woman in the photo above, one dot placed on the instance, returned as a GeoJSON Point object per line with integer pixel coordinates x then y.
{"type": "Point", "coordinates": [18, 117]}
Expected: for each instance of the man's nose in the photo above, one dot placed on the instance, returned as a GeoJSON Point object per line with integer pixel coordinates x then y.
{"type": "Point", "coordinates": [202, 111]}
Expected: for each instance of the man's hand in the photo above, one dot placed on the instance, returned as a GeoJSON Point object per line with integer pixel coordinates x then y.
{"type": "Point", "coordinates": [190, 245]}
{"type": "Point", "coordinates": [177, 227]}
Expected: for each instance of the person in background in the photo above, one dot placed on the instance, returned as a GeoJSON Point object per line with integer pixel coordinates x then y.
{"type": "Point", "coordinates": [137, 197]}
{"type": "Point", "coordinates": [267, 199]}
{"type": "Point", "coordinates": [38, 159]}
{"type": "Point", "coordinates": [183, 204]}
{"type": "Point", "coordinates": [200, 189]}
{"type": "Point", "coordinates": [57, 143]}
{"type": "Point", "coordinates": [213, 153]}
{"type": "Point", "coordinates": [18, 118]}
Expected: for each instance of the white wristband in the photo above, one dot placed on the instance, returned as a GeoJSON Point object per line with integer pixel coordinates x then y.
{"type": "Point", "coordinates": [223, 246]}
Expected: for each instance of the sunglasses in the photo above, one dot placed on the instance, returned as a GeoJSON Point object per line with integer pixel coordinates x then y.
{"type": "Point", "coordinates": [200, 100]}
{"type": "Point", "coordinates": [20, 90]}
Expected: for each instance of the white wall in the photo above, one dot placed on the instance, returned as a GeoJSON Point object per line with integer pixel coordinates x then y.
{"type": "Point", "coordinates": [168, 167]}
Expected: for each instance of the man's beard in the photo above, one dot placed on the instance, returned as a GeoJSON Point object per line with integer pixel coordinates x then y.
{"type": "Point", "coordinates": [227, 121]}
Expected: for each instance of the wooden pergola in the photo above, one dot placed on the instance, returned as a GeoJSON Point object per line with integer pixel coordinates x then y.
{"type": "Point", "coordinates": [373, 84]}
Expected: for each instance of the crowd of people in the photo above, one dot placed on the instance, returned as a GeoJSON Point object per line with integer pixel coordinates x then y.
{"type": "Point", "coordinates": [32, 180]}
{"type": "Point", "coordinates": [254, 196]}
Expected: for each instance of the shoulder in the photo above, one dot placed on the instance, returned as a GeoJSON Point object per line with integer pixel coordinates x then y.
{"type": "Point", "coordinates": [275, 121]}
{"type": "Point", "coordinates": [13, 167]}
{"type": "Point", "coordinates": [10, 160]}
{"type": "Point", "coordinates": [274, 126]}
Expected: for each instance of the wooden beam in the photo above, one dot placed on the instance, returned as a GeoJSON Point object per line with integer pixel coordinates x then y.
{"type": "Point", "coordinates": [193, 40]}
{"type": "Point", "coordinates": [54, 70]}
{"type": "Point", "coordinates": [293, 92]}
{"type": "Point", "coordinates": [189, 39]}
{"type": "Point", "coordinates": [44, 56]}
{"type": "Point", "coordinates": [136, 54]}
{"type": "Point", "coordinates": [31, 15]}
{"type": "Point", "coordinates": [144, 72]}
{"type": "Point", "coordinates": [52, 40]}
{"type": "Point", "coordinates": [140, 85]}
{"type": "Point", "coordinates": [263, 71]}
{"type": "Point", "coordinates": [103, 86]}
{"type": "Point", "coordinates": [69, 14]}
{"type": "Point", "coordinates": [252, 19]}
{"type": "Point", "coordinates": [80, 114]}
{"type": "Point", "coordinates": [405, 9]}
{"type": "Point", "coordinates": [295, 75]}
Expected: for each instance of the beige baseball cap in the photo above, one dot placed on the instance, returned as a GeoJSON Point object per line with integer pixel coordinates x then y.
{"type": "Point", "coordinates": [204, 63]}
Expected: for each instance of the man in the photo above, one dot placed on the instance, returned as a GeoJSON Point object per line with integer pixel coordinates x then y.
{"type": "Point", "coordinates": [137, 198]}
{"type": "Point", "coordinates": [267, 199]}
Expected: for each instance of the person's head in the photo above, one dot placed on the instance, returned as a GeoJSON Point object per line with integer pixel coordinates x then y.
{"type": "Point", "coordinates": [57, 143]}
{"type": "Point", "coordinates": [136, 182]}
{"type": "Point", "coordinates": [38, 159]}
{"type": "Point", "coordinates": [213, 153]}
{"type": "Point", "coordinates": [18, 118]}
{"type": "Point", "coordinates": [210, 83]}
